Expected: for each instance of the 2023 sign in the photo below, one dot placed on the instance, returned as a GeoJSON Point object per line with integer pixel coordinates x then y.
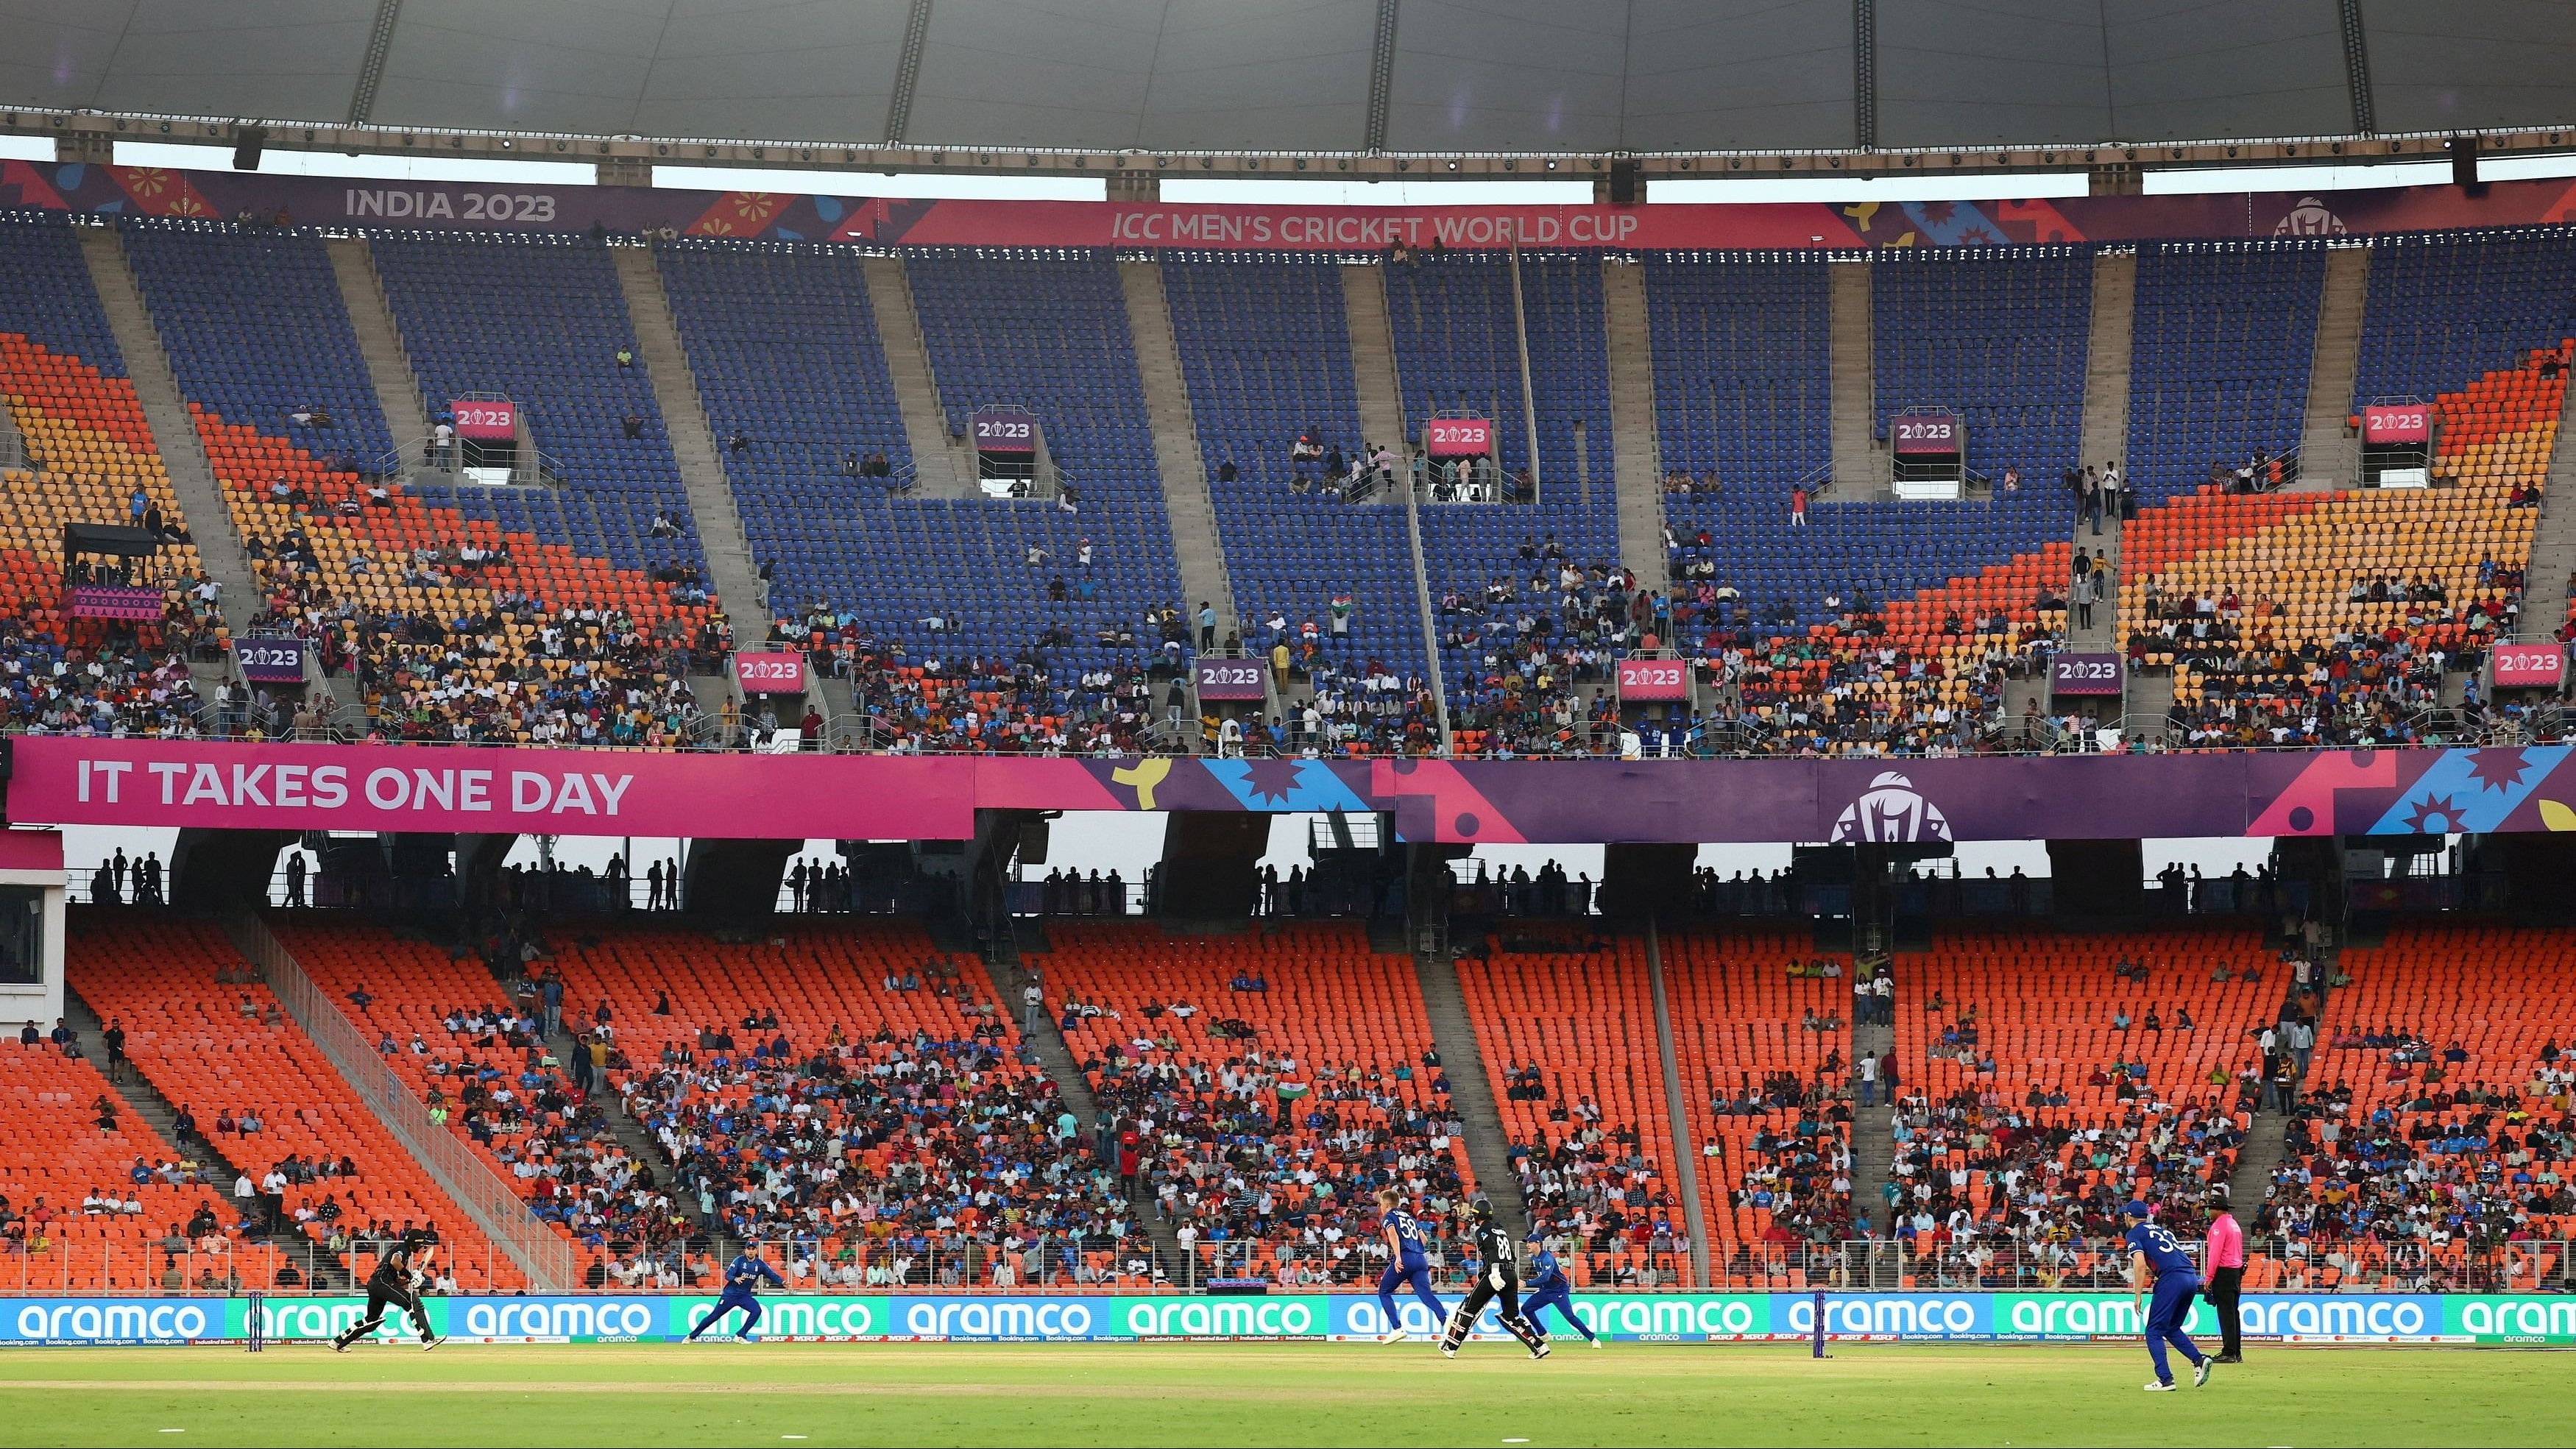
{"type": "Point", "coordinates": [775, 673]}
{"type": "Point", "coordinates": [1458, 437]}
{"type": "Point", "coordinates": [1652, 679]}
{"type": "Point", "coordinates": [270, 660]}
{"type": "Point", "coordinates": [2398, 423]}
{"type": "Point", "coordinates": [2086, 674]}
{"type": "Point", "coordinates": [1925, 433]}
{"type": "Point", "coordinates": [1005, 430]}
{"type": "Point", "coordinates": [486, 421]}
{"type": "Point", "coordinates": [1229, 679]}
{"type": "Point", "coordinates": [2529, 666]}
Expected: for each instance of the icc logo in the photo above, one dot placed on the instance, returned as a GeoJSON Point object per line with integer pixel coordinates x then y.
{"type": "Point", "coordinates": [1891, 812]}
{"type": "Point", "coordinates": [2310, 218]}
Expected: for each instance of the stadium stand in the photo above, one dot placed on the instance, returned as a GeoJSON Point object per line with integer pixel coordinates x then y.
{"type": "Point", "coordinates": [2048, 1080]}
{"type": "Point", "coordinates": [91, 459]}
{"type": "Point", "coordinates": [976, 624]}
{"type": "Point", "coordinates": [2220, 372]}
{"type": "Point", "coordinates": [459, 1040]}
{"type": "Point", "coordinates": [93, 1201]}
{"type": "Point", "coordinates": [1274, 1080]}
{"type": "Point", "coordinates": [2448, 306]}
{"type": "Point", "coordinates": [1764, 1094]}
{"type": "Point", "coordinates": [1996, 335]}
{"type": "Point", "coordinates": [1560, 1022]}
{"type": "Point", "coordinates": [211, 1041]}
{"type": "Point", "coordinates": [464, 612]}
{"type": "Point", "coordinates": [1879, 627]}
{"type": "Point", "coordinates": [1743, 357]}
{"type": "Point", "coordinates": [1532, 607]}
{"type": "Point", "coordinates": [2433, 1145]}
{"type": "Point", "coordinates": [872, 1118]}
{"type": "Point", "coordinates": [542, 320]}
{"type": "Point", "coordinates": [2330, 618]}
{"type": "Point", "coordinates": [1265, 354]}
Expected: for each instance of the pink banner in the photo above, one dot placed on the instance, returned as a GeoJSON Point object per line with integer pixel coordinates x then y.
{"type": "Point", "coordinates": [486, 422]}
{"type": "Point", "coordinates": [2530, 666]}
{"type": "Point", "coordinates": [1458, 437]}
{"type": "Point", "coordinates": [68, 781]}
{"type": "Point", "coordinates": [2396, 423]}
{"type": "Point", "coordinates": [776, 672]}
{"type": "Point", "coordinates": [31, 850]}
{"type": "Point", "coordinates": [1653, 679]}
{"type": "Point", "coordinates": [110, 601]}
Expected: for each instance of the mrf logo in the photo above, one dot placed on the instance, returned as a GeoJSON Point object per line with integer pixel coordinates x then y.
{"type": "Point", "coordinates": [1891, 812]}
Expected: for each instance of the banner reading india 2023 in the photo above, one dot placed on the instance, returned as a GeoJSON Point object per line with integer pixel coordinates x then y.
{"type": "Point", "coordinates": [1024, 1318]}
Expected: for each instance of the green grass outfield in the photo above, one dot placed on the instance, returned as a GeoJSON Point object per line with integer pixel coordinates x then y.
{"type": "Point", "coordinates": [1229, 1394]}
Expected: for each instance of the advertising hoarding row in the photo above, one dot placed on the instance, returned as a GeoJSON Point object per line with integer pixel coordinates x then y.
{"type": "Point", "coordinates": [2524, 1320]}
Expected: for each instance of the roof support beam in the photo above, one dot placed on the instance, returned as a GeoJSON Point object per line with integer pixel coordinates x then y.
{"type": "Point", "coordinates": [1865, 74]}
{"type": "Point", "coordinates": [2356, 69]}
{"type": "Point", "coordinates": [371, 71]}
{"type": "Point", "coordinates": [916, 31]}
{"type": "Point", "coordinates": [928, 157]}
{"type": "Point", "coordinates": [1381, 77]}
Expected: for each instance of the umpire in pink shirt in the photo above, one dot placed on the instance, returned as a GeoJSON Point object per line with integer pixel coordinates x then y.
{"type": "Point", "coordinates": [2225, 1263]}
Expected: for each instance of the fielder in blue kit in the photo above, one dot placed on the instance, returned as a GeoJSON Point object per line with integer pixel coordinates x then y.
{"type": "Point", "coordinates": [1548, 1289]}
{"type": "Point", "coordinates": [1405, 1263]}
{"type": "Point", "coordinates": [2155, 1257]}
{"type": "Point", "coordinates": [742, 1281]}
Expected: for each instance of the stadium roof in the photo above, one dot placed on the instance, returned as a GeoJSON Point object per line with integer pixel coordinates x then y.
{"type": "Point", "coordinates": [1317, 75]}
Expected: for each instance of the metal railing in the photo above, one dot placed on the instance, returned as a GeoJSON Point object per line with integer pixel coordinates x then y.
{"type": "Point", "coordinates": [487, 1197]}
{"type": "Point", "coordinates": [261, 1255]}
{"type": "Point", "coordinates": [847, 1259]}
{"type": "Point", "coordinates": [1097, 1264]}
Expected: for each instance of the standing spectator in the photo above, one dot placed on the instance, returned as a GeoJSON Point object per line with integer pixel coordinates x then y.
{"type": "Point", "coordinates": [295, 879]}
{"type": "Point", "coordinates": [1798, 506]}
{"type": "Point", "coordinates": [1865, 1075]}
{"type": "Point", "coordinates": [442, 445]}
{"type": "Point", "coordinates": [1207, 626]}
{"type": "Point", "coordinates": [2301, 1039]}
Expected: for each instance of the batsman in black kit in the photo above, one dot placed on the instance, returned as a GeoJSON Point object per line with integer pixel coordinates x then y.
{"type": "Point", "coordinates": [1498, 1275]}
{"type": "Point", "coordinates": [396, 1284]}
